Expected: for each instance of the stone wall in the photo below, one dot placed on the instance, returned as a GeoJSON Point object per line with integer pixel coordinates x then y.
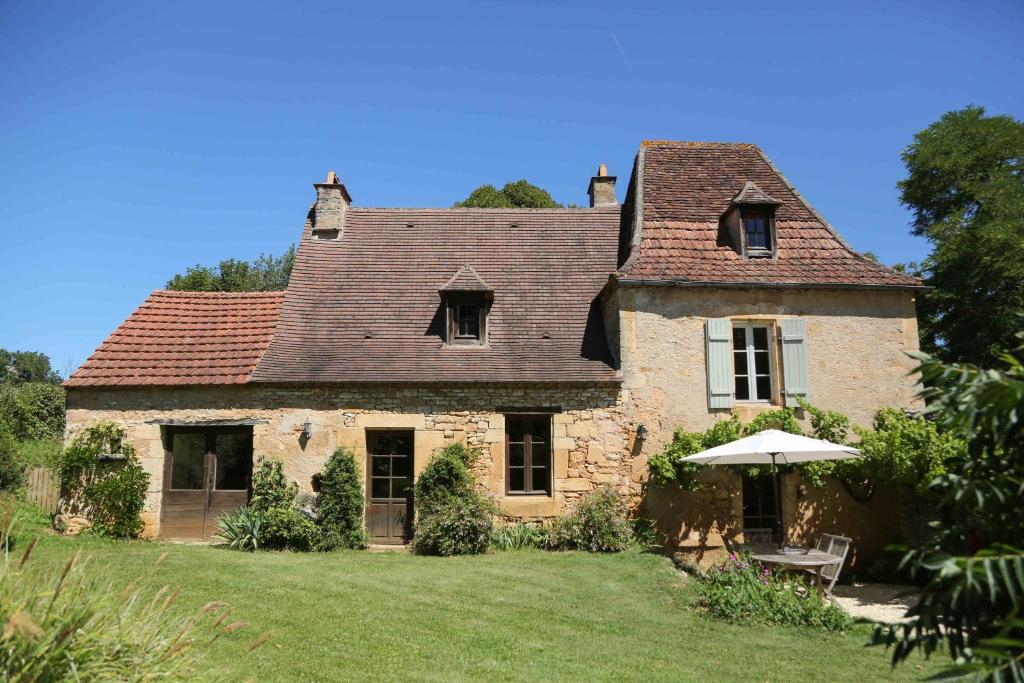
{"type": "Point", "coordinates": [591, 432]}
{"type": "Point", "coordinates": [856, 344]}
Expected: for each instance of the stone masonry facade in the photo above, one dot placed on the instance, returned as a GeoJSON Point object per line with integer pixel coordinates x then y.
{"type": "Point", "coordinates": [592, 434]}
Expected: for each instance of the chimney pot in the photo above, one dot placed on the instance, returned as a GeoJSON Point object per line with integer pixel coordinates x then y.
{"type": "Point", "coordinates": [602, 188]}
{"type": "Point", "coordinates": [332, 202]}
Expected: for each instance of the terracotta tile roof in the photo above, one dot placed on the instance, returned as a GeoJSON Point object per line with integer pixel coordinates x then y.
{"type": "Point", "coordinates": [185, 338]}
{"type": "Point", "coordinates": [684, 189]}
{"type": "Point", "coordinates": [366, 307]}
{"type": "Point", "coordinates": [466, 280]}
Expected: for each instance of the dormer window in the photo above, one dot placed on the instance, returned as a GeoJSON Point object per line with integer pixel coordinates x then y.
{"type": "Point", "coordinates": [757, 231]}
{"type": "Point", "coordinates": [467, 318]}
{"type": "Point", "coordinates": [466, 299]}
{"type": "Point", "coordinates": [751, 221]}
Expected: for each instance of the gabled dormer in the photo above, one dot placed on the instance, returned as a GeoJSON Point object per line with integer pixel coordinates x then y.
{"type": "Point", "coordinates": [750, 219]}
{"type": "Point", "coordinates": [466, 299]}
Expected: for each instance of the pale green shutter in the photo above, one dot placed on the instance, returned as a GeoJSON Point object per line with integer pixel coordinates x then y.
{"type": "Point", "coordinates": [719, 361]}
{"type": "Point", "coordinates": [794, 361]}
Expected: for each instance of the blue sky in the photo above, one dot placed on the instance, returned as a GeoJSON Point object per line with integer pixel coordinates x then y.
{"type": "Point", "coordinates": [138, 140]}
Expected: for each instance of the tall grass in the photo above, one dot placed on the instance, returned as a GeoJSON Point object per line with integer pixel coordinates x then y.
{"type": "Point", "coordinates": [75, 624]}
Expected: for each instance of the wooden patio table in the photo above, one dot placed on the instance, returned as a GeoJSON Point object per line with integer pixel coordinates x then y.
{"type": "Point", "coordinates": [798, 558]}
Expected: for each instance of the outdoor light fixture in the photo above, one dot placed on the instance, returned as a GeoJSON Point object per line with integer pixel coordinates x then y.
{"type": "Point", "coordinates": [307, 429]}
{"type": "Point", "coordinates": [641, 433]}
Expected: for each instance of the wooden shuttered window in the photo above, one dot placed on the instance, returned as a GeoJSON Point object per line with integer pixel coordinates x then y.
{"type": "Point", "coordinates": [794, 361]}
{"type": "Point", "coordinates": [719, 363]}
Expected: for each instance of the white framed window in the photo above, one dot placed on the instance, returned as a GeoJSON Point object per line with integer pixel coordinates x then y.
{"type": "Point", "coordinates": [752, 362]}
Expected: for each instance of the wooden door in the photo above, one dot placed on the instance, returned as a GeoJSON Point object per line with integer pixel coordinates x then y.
{"type": "Point", "coordinates": [389, 461]}
{"type": "Point", "coordinates": [207, 472]}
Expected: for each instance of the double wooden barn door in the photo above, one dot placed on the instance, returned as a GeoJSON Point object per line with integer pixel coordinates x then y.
{"type": "Point", "coordinates": [207, 471]}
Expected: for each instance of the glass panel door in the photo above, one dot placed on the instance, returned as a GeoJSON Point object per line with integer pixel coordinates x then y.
{"type": "Point", "coordinates": [188, 454]}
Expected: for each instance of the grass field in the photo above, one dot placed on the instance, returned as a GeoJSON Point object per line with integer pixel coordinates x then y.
{"type": "Point", "coordinates": [503, 616]}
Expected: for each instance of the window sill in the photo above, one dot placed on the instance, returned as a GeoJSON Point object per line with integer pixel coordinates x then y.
{"type": "Point", "coordinates": [531, 505]}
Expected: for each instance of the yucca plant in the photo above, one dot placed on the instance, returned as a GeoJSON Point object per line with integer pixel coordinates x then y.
{"type": "Point", "coordinates": [240, 529]}
{"type": "Point", "coordinates": [973, 596]}
{"type": "Point", "coordinates": [76, 625]}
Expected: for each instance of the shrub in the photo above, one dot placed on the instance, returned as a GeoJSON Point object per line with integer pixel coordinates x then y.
{"type": "Point", "coordinates": [598, 524]}
{"type": "Point", "coordinates": [34, 410]}
{"type": "Point", "coordinates": [284, 528]}
{"type": "Point", "coordinates": [340, 503]}
{"type": "Point", "coordinates": [446, 476]}
{"type": "Point", "coordinates": [12, 475]}
{"type": "Point", "coordinates": [74, 625]}
{"type": "Point", "coordinates": [109, 493]}
{"type": "Point", "coordinates": [453, 518]}
{"type": "Point", "coordinates": [458, 526]}
{"type": "Point", "coordinates": [270, 488]}
{"type": "Point", "coordinates": [241, 529]}
{"type": "Point", "coordinates": [645, 533]}
{"type": "Point", "coordinates": [746, 592]}
{"type": "Point", "coordinates": [518, 536]}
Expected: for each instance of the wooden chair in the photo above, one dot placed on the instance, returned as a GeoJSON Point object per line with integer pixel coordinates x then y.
{"type": "Point", "coordinates": [834, 545]}
{"type": "Point", "coordinates": [758, 536]}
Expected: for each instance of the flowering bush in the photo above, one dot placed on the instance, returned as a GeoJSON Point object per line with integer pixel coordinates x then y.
{"type": "Point", "coordinates": [740, 590]}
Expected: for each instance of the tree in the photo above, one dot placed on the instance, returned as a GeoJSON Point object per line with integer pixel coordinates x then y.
{"type": "Point", "coordinates": [21, 367]}
{"type": "Point", "coordinates": [265, 273]}
{"type": "Point", "coordinates": [965, 185]}
{"type": "Point", "coordinates": [973, 570]}
{"type": "Point", "coordinates": [515, 195]}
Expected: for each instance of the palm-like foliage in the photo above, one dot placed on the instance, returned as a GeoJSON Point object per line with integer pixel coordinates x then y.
{"type": "Point", "coordinates": [973, 597]}
{"type": "Point", "coordinates": [240, 529]}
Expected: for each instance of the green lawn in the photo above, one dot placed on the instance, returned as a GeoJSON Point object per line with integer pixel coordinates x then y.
{"type": "Point", "coordinates": [502, 616]}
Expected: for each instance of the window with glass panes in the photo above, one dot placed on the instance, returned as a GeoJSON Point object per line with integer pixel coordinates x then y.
{"type": "Point", "coordinates": [528, 454]}
{"type": "Point", "coordinates": [755, 224]}
{"type": "Point", "coordinates": [751, 350]}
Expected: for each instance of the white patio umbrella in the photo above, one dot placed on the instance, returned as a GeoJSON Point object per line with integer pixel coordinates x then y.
{"type": "Point", "coordinates": [773, 447]}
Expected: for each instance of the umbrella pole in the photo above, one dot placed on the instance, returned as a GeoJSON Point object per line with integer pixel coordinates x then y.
{"type": "Point", "coordinates": [779, 528]}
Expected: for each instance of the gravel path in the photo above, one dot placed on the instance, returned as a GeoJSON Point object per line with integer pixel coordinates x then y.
{"type": "Point", "coordinates": [882, 602]}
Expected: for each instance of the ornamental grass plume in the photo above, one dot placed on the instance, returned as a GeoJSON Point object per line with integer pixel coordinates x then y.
{"type": "Point", "coordinates": [75, 624]}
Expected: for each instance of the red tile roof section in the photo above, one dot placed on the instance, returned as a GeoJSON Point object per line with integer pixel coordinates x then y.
{"type": "Point", "coordinates": [685, 188]}
{"type": "Point", "coordinates": [185, 338]}
{"type": "Point", "coordinates": [366, 307]}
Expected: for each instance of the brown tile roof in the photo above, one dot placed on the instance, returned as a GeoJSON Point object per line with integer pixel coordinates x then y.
{"type": "Point", "coordinates": [685, 187]}
{"type": "Point", "coordinates": [366, 307]}
{"type": "Point", "coordinates": [185, 338]}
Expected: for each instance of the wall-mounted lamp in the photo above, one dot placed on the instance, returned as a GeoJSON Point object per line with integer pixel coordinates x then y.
{"type": "Point", "coordinates": [307, 429]}
{"type": "Point", "coordinates": [641, 433]}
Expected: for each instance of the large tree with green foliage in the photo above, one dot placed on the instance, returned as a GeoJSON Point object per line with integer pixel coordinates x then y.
{"type": "Point", "coordinates": [515, 195]}
{"type": "Point", "coordinates": [21, 367]}
{"type": "Point", "coordinates": [263, 274]}
{"type": "Point", "coordinates": [965, 185]}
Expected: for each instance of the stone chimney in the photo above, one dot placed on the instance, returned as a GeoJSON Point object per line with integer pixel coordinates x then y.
{"type": "Point", "coordinates": [332, 201]}
{"type": "Point", "coordinates": [602, 188]}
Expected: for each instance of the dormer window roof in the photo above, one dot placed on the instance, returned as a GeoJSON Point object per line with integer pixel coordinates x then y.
{"type": "Point", "coordinates": [466, 298]}
{"type": "Point", "coordinates": [751, 194]}
{"type": "Point", "coordinates": [466, 280]}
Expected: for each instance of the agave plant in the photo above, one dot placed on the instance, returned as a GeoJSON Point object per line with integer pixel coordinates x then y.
{"type": "Point", "coordinates": [240, 529]}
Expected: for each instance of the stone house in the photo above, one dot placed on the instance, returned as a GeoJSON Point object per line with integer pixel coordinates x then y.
{"type": "Point", "coordinates": [567, 344]}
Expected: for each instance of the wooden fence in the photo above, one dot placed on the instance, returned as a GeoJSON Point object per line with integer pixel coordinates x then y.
{"type": "Point", "coordinates": [43, 488]}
